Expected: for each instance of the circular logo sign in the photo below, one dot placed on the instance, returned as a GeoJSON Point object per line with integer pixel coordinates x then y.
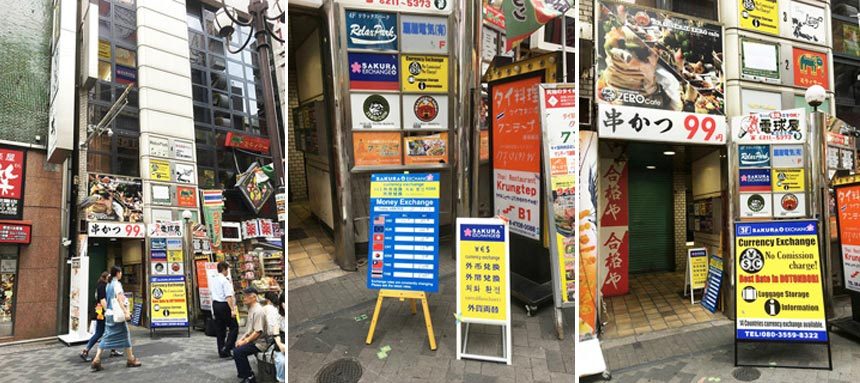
{"type": "Point", "coordinates": [749, 5]}
{"type": "Point", "coordinates": [608, 94]}
{"type": "Point", "coordinates": [772, 307]}
{"type": "Point", "coordinates": [376, 108]}
{"type": "Point", "coordinates": [440, 4]}
{"type": "Point", "coordinates": [414, 68]}
{"type": "Point", "coordinates": [789, 202]}
{"type": "Point", "coordinates": [426, 108]}
{"type": "Point", "coordinates": [751, 260]}
{"type": "Point", "coordinates": [755, 203]}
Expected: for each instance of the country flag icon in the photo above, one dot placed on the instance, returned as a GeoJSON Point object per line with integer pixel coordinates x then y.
{"type": "Point", "coordinates": [377, 247]}
{"type": "Point", "coordinates": [379, 220]}
{"type": "Point", "coordinates": [377, 265]}
{"type": "Point", "coordinates": [377, 255]}
{"type": "Point", "coordinates": [378, 237]}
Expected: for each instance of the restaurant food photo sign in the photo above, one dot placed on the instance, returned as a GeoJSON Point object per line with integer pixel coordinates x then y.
{"type": "Point", "coordinates": [659, 76]}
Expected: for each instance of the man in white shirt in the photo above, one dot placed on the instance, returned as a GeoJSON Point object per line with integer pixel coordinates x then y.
{"type": "Point", "coordinates": [224, 309]}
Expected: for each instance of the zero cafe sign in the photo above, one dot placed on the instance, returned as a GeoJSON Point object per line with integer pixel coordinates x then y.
{"type": "Point", "coordinates": [642, 124]}
{"type": "Point", "coordinates": [116, 230]}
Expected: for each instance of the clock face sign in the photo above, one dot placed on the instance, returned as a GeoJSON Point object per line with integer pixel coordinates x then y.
{"type": "Point", "coordinates": [428, 111]}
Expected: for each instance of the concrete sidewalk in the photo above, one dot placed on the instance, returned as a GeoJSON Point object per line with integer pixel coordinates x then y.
{"type": "Point", "coordinates": [333, 333]}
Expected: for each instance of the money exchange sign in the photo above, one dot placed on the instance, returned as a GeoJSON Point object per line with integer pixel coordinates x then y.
{"type": "Point", "coordinates": [778, 282]}
{"type": "Point", "coordinates": [483, 290]}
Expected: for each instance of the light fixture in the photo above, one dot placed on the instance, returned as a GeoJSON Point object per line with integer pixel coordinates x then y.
{"type": "Point", "coordinates": [815, 96]}
{"type": "Point", "coordinates": [668, 153]}
{"type": "Point", "coordinates": [652, 167]}
{"type": "Point", "coordinates": [223, 23]}
{"type": "Point", "coordinates": [186, 215]}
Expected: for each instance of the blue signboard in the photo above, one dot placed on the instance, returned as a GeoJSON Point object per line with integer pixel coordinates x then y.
{"type": "Point", "coordinates": [754, 155]}
{"type": "Point", "coordinates": [373, 71]}
{"type": "Point", "coordinates": [754, 180]}
{"type": "Point", "coordinates": [713, 284]}
{"type": "Point", "coordinates": [371, 30]}
{"type": "Point", "coordinates": [403, 246]}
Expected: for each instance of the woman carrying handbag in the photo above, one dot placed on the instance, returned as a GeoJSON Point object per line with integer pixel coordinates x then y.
{"type": "Point", "coordinates": [116, 329]}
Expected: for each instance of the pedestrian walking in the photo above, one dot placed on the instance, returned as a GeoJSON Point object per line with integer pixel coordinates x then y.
{"type": "Point", "coordinates": [98, 311]}
{"type": "Point", "coordinates": [224, 309]}
{"type": "Point", "coordinates": [280, 339]}
{"type": "Point", "coordinates": [116, 330]}
{"type": "Point", "coordinates": [254, 340]}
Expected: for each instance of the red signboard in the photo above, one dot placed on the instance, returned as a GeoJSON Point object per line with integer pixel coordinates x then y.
{"type": "Point", "coordinates": [15, 233]}
{"type": "Point", "coordinates": [186, 196]}
{"type": "Point", "coordinates": [243, 141]}
{"type": "Point", "coordinates": [848, 208]}
{"type": "Point", "coordinates": [494, 16]}
{"type": "Point", "coordinates": [11, 183]}
{"type": "Point", "coordinates": [614, 228]}
{"type": "Point", "coordinates": [810, 68]}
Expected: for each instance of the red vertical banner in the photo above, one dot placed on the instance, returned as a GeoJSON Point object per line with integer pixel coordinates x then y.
{"type": "Point", "coordinates": [614, 225]}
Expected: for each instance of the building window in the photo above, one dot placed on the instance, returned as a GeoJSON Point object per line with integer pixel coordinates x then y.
{"type": "Point", "coordinates": [117, 68]}
{"type": "Point", "coordinates": [224, 94]}
{"type": "Point", "coordinates": [8, 288]}
{"type": "Point", "coordinates": [846, 66]}
{"type": "Point", "coordinates": [704, 9]}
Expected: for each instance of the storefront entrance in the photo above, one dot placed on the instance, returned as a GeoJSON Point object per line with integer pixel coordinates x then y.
{"type": "Point", "coordinates": [104, 253]}
{"type": "Point", "coordinates": [658, 202]}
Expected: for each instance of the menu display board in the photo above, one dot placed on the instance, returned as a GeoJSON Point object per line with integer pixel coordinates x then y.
{"type": "Point", "coordinates": [426, 149]}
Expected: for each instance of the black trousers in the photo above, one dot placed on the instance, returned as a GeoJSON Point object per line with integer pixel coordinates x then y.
{"type": "Point", "coordinates": [227, 329]}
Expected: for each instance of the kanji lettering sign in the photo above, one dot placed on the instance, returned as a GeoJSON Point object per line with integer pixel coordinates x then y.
{"type": "Point", "coordinates": [116, 230]}
{"type": "Point", "coordinates": [11, 183]}
{"type": "Point", "coordinates": [642, 124]}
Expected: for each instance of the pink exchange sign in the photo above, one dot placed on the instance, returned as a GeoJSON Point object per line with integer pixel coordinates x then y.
{"type": "Point", "coordinates": [11, 183]}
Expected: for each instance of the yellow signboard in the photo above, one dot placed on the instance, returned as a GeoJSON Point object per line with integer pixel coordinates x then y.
{"type": "Point", "coordinates": [168, 307]}
{"type": "Point", "coordinates": [390, 189]}
{"type": "Point", "coordinates": [759, 15]}
{"type": "Point", "coordinates": [788, 180]}
{"type": "Point", "coordinates": [699, 271]}
{"type": "Point", "coordinates": [104, 50]}
{"type": "Point", "coordinates": [483, 288]}
{"type": "Point", "coordinates": [779, 285]}
{"type": "Point", "coordinates": [422, 73]}
{"type": "Point", "coordinates": [174, 255]}
{"type": "Point", "coordinates": [159, 170]}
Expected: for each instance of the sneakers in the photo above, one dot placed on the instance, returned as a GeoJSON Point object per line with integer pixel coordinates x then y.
{"type": "Point", "coordinates": [250, 379]}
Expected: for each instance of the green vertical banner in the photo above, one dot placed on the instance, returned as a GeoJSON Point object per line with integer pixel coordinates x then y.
{"type": "Point", "coordinates": [523, 17]}
{"type": "Point", "coordinates": [213, 205]}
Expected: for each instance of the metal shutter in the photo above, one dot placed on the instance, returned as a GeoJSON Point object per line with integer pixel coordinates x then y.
{"type": "Point", "coordinates": [651, 212]}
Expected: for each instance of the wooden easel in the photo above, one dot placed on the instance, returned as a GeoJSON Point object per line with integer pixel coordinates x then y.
{"type": "Point", "coordinates": [413, 296]}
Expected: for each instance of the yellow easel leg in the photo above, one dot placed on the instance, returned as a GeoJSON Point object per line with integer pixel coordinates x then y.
{"type": "Point", "coordinates": [413, 306]}
{"type": "Point", "coordinates": [427, 321]}
{"type": "Point", "coordinates": [369, 339]}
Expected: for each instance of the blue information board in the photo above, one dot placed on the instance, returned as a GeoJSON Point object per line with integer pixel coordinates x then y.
{"type": "Point", "coordinates": [403, 248]}
{"type": "Point", "coordinates": [712, 286]}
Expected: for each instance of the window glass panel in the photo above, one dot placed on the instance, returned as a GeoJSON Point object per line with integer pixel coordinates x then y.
{"type": "Point", "coordinates": [205, 158]}
{"type": "Point", "coordinates": [236, 87]}
{"type": "Point", "coordinates": [235, 56]}
{"type": "Point", "coordinates": [103, 92]}
{"type": "Point", "coordinates": [238, 123]}
{"type": "Point", "coordinates": [216, 46]}
{"type": "Point", "coordinates": [203, 136]}
{"type": "Point", "coordinates": [217, 63]}
{"type": "Point", "coordinates": [252, 90]}
{"type": "Point", "coordinates": [238, 103]}
{"type": "Point", "coordinates": [9, 282]}
{"type": "Point", "coordinates": [206, 178]}
{"type": "Point", "coordinates": [203, 115]}
{"type": "Point", "coordinates": [100, 143]}
{"type": "Point", "coordinates": [105, 73]}
{"type": "Point", "coordinates": [226, 178]}
{"type": "Point", "coordinates": [194, 22]}
{"type": "Point", "coordinates": [234, 68]}
{"type": "Point", "coordinates": [200, 94]}
{"type": "Point", "coordinates": [209, 23]}
{"type": "Point", "coordinates": [104, 8]}
{"type": "Point", "coordinates": [127, 122]}
{"type": "Point", "coordinates": [104, 29]}
{"type": "Point", "coordinates": [98, 163]}
{"type": "Point", "coordinates": [127, 145]}
{"type": "Point", "coordinates": [198, 77]}
{"type": "Point", "coordinates": [196, 40]}
{"type": "Point", "coordinates": [220, 100]}
{"type": "Point", "coordinates": [225, 157]}
{"type": "Point", "coordinates": [128, 166]}
{"type": "Point", "coordinates": [198, 57]}
{"type": "Point", "coordinates": [219, 81]}
{"type": "Point", "coordinates": [129, 3]}
{"type": "Point", "coordinates": [125, 16]}
{"type": "Point", "coordinates": [132, 97]}
{"type": "Point", "coordinates": [126, 57]}
{"type": "Point", "coordinates": [126, 35]}
{"type": "Point", "coordinates": [222, 119]}
{"type": "Point", "coordinates": [252, 108]}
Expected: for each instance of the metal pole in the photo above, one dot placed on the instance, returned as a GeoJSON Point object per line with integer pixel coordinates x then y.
{"type": "Point", "coordinates": [821, 198]}
{"type": "Point", "coordinates": [564, 46]}
{"type": "Point", "coordinates": [466, 46]}
{"type": "Point", "coordinates": [189, 276]}
{"type": "Point", "coordinates": [257, 9]}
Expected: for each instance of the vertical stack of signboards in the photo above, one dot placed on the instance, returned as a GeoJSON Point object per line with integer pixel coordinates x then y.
{"type": "Point", "coordinates": [398, 71]}
{"type": "Point", "coordinates": [781, 48]}
{"type": "Point", "coordinates": [772, 180]}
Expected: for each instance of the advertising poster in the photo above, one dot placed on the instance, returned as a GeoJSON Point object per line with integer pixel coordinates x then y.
{"type": "Point", "coordinates": [213, 205]}
{"type": "Point", "coordinates": [167, 303]}
{"type": "Point", "coordinates": [484, 153]}
{"type": "Point", "coordinates": [516, 148]}
{"type": "Point", "coordinates": [184, 150]}
{"type": "Point", "coordinates": [159, 147]}
{"type": "Point", "coordinates": [777, 127]}
{"type": "Point", "coordinates": [561, 128]}
{"type": "Point", "coordinates": [376, 148]}
{"type": "Point", "coordinates": [810, 68]}
{"type": "Point", "coordinates": [522, 18]}
{"type": "Point", "coordinates": [371, 30]}
{"type": "Point", "coordinates": [587, 233]}
{"type": "Point", "coordinates": [698, 267]}
{"type": "Point", "coordinates": [12, 183]}
{"type": "Point", "coordinates": [808, 23]}
{"type": "Point", "coordinates": [185, 173]}
{"type": "Point", "coordinates": [778, 282]}
{"type": "Point", "coordinates": [483, 289]}
{"type": "Point", "coordinates": [787, 205]}
{"type": "Point", "coordinates": [759, 15]}
{"type": "Point", "coordinates": [427, 111]}
{"type": "Point", "coordinates": [658, 61]}
{"type": "Point", "coordinates": [369, 71]}
{"type": "Point", "coordinates": [255, 187]}
{"type": "Point", "coordinates": [186, 196]}
{"type": "Point", "coordinates": [848, 202]}
{"type": "Point", "coordinates": [641, 124]}
{"type": "Point", "coordinates": [404, 236]}
{"type": "Point", "coordinates": [421, 73]}
{"type": "Point", "coordinates": [614, 227]}
{"type": "Point", "coordinates": [754, 156]}
{"type": "Point", "coordinates": [424, 34]}
{"type": "Point", "coordinates": [116, 230]}
{"type": "Point", "coordinates": [489, 44]}
{"type": "Point", "coordinates": [168, 229]}
{"type": "Point", "coordinates": [159, 170]}
{"type": "Point", "coordinates": [713, 284]}
{"type": "Point", "coordinates": [754, 180]}
{"type": "Point", "coordinates": [760, 61]}
{"type": "Point", "coordinates": [788, 156]}
{"type": "Point", "coordinates": [788, 180]}
{"type": "Point", "coordinates": [432, 149]}
{"type": "Point", "coordinates": [850, 39]}
{"type": "Point", "coordinates": [162, 194]}
{"type": "Point", "coordinates": [114, 198]}
{"type": "Point", "coordinates": [375, 110]}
